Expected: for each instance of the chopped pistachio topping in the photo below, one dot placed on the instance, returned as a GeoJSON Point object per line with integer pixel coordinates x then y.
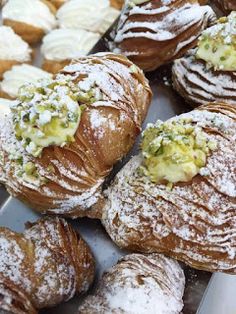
{"type": "Point", "coordinates": [217, 44]}
{"type": "Point", "coordinates": [174, 151]}
{"type": "Point", "coordinates": [49, 113]}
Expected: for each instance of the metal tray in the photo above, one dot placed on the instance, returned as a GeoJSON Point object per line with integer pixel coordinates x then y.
{"type": "Point", "coordinates": [13, 214]}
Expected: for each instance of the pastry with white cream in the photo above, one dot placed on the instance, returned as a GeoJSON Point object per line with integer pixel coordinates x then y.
{"type": "Point", "coordinates": [18, 76]}
{"type": "Point", "coordinates": [13, 50]}
{"type": "Point", "coordinates": [30, 19]}
{"type": "Point", "coordinates": [62, 45]}
{"type": "Point", "coordinates": [92, 15]}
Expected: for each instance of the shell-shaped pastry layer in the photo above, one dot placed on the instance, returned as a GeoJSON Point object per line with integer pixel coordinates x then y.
{"type": "Point", "coordinates": [156, 32]}
{"type": "Point", "coordinates": [12, 47]}
{"type": "Point", "coordinates": [31, 12]}
{"type": "Point", "coordinates": [66, 44]}
{"type": "Point", "coordinates": [49, 262]}
{"type": "Point", "coordinates": [92, 15]}
{"type": "Point", "coordinates": [20, 75]}
{"type": "Point", "coordinates": [193, 222]}
{"type": "Point", "coordinates": [226, 5]}
{"type": "Point", "coordinates": [146, 284]}
{"type": "Point", "coordinates": [199, 84]}
{"type": "Point", "coordinates": [74, 174]}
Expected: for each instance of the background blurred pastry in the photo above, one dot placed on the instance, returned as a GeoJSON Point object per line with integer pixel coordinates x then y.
{"type": "Point", "coordinates": [178, 196]}
{"type": "Point", "coordinates": [91, 15]}
{"type": "Point", "coordinates": [47, 264]}
{"type": "Point", "coordinates": [154, 33]}
{"type": "Point", "coordinates": [18, 76]}
{"type": "Point", "coordinates": [118, 4]}
{"type": "Point", "coordinates": [13, 50]}
{"type": "Point", "coordinates": [147, 284]}
{"type": "Point", "coordinates": [30, 19]}
{"type": "Point", "coordinates": [62, 45]}
{"type": "Point", "coordinates": [208, 73]}
{"type": "Point", "coordinates": [58, 3]}
{"type": "Point", "coordinates": [226, 5]}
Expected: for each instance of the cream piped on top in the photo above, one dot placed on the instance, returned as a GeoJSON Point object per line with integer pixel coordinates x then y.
{"type": "Point", "coordinates": [92, 15]}
{"type": "Point", "coordinates": [12, 47]}
{"type": "Point", "coordinates": [5, 105]}
{"type": "Point", "coordinates": [32, 12]}
{"type": "Point", "coordinates": [20, 75]}
{"type": "Point", "coordinates": [62, 44]}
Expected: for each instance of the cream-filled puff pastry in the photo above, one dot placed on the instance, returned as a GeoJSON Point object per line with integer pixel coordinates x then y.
{"type": "Point", "coordinates": [62, 45]}
{"type": "Point", "coordinates": [13, 50]}
{"type": "Point", "coordinates": [91, 15]}
{"type": "Point", "coordinates": [30, 19]}
{"type": "Point", "coordinates": [18, 76]}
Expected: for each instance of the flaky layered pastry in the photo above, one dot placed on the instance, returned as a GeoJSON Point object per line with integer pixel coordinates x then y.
{"type": "Point", "coordinates": [178, 196]}
{"type": "Point", "coordinates": [45, 265]}
{"type": "Point", "coordinates": [207, 73]}
{"type": "Point", "coordinates": [139, 284]}
{"type": "Point", "coordinates": [226, 5]}
{"type": "Point", "coordinates": [153, 33]}
{"type": "Point", "coordinates": [64, 136]}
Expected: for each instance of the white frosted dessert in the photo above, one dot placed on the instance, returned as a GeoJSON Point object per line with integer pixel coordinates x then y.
{"type": "Point", "coordinates": [12, 47]}
{"type": "Point", "coordinates": [92, 15]}
{"type": "Point", "coordinates": [5, 105]}
{"type": "Point", "coordinates": [20, 75]}
{"type": "Point", "coordinates": [65, 44]}
{"type": "Point", "coordinates": [32, 12]}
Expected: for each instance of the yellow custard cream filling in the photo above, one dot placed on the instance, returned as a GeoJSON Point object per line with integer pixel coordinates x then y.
{"type": "Point", "coordinates": [49, 113]}
{"type": "Point", "coordinates": [174, 151]}
{"type": "Point", "coordinates": [217, 44]}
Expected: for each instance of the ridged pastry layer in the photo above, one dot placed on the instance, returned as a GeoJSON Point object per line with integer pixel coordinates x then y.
{"type": "Point", "coordinates": [199, 84]}
{"type": "Point", "coordinates": [107, 130]}
{"type": "Point", "coordinates": [194, 221]}
{"type": "Point", "coordinates": [146, 284]}
{"type": "Point", "coordinates": [157, 32]}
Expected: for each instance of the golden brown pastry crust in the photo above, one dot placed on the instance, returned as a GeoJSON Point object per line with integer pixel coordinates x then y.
{"type": "Point", "coordinates": [49, 262]}
{"type": "Point", "coordinates": [106, 132]}
{"type": "Point", "coordinates": [226, 5]}
{"type": "Point", "coordinates": [54, 66]}
{"type": "Point", "coordinates": [147, 282]}
{"type": "Point", "coordinates": [118, 4]}
{"type": "Point", "coordinates": [153, 39]}
{"type": "Point", "coordinates": [193, 222]}
{"type": "Point", "coordinates": [6, 65]}
{"type": "Point", "coordinates": [57, 3]}
{"type": "Point", "coordinates": [29, 33]}
{"type": "Point", "coordinates": [199, 85]}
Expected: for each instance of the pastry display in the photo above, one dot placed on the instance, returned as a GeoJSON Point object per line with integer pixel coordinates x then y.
{"type": "Point", "coordinates": [178, 196]}
{"type": "Point", "coordinates": [91, 15]}
{"type": "Point", "coordinates": [153, 33]}
{"type": "Point", "coordinates": [18, 76]}
{"type": "Point", "coordinates": [207, 73]}
{"type": "Point", "coordinates": [42, 267]}
{"type": "Point", "coordinates": [146, 284]}
{"type": "Point", "coordinates": [62, 45]}
{"type": "Point", "coordinates": [64, 135]}
{"type": "Point", "coordinates": [30, 19]}
{"type": "Point", "coordinates": [226, 5]}
{"type": "Point", "coordinates": [13, 50]}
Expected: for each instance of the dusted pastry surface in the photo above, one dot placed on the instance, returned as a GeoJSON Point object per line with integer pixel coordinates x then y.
{"type": "Point", "coordinates": [145, 284]}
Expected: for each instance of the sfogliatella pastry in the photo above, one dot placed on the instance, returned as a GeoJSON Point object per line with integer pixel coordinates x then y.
{"type": "Point", "coordinates": [153, 33]}
{"type": "Point", "coordinates": [30, 19]}
{"type": "Point", "coordinates": [64, 135]}
{"type": "Point", "coordinates": [18, 76]}
{"type": "Point", "coordinates": [207, 73]}
{"type": "Point", "coordinates": [146, 284]}
{"type": "Point", "coordinates": [178, 196]}
{"type": "Point", "coordinates": [13, 50]}
{"type": "Point", "coordinates": [62, 45]}
{"type": "Point", "coordinates": [91, 15]}
{"type": "Point", "coordinates": [46, 265]}
{"type": "Point", "coordinates": [226, 5]}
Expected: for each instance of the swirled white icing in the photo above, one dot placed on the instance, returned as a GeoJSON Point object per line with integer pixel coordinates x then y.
{"type": "Point", "coordinates": [12, 47]}
{"type": "Point", "coordinates": [19, 75]}
{"type": "Point", "coordinates": [32, 12]}
{"type": "Point", "coordinates": [92, 15]}
{"type": "Point", "coordinates": [62, 44]}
